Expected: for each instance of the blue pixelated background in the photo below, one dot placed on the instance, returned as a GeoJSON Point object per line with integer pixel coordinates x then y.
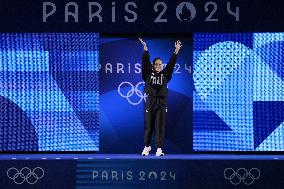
{"type": "Point", "coordinates": [49, 92]}
{"type": "Point", "coordinates": [238, 100]}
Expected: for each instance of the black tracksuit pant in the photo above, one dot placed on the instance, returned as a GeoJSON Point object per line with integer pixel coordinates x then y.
{"type": "Point", "coordinates": [155, 119]}
{"type": "Point", "coordinates": [155, 107]}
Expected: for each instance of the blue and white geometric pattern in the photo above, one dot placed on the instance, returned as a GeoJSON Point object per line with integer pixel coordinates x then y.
{"type": "Point", "coordinates": [49, 92]}
{"type": "Point", "coordinates": [239, 78]}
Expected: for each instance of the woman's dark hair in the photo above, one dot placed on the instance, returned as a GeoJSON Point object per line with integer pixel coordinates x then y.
{"type": "Point", "coordinates": [155, 59]}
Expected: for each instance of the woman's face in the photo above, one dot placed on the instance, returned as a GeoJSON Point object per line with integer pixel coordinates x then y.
{"type": "Point", "coordinates": [158, 65]}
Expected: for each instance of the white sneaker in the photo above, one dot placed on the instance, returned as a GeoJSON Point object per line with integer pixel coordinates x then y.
{"type": "Point", "coordinates": [159, 152]}
{"type": "Point", "coordinates": [146, 151]}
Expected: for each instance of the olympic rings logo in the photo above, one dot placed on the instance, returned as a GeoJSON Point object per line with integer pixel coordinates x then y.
{"type": "Point", "coordinates": [242, 175]}
{"type": "Point", "coordinates": [25, 174]}
{"type": "Point", "coordinates": [133, 91]}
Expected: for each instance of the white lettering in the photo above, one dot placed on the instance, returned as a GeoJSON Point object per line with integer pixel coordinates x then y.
{"type": "Point", "coordinates": [108, 67]}
{"type": "Point", "coordinates": [97, 13]}
{"type": "Point", "coordinates": [95, 174]}
{"type": "Point", "coordinates": [137, 68]}
{"type": "Point", "coordinates": [44, 13]}
{"type": "Point", "coordinates": [119, 67]}
{"type": "Point", "coordinates": [104, 175]}
{"type": "Point", "coordinates": [131, 12]}
{"type": "Point", "coordinates": [73, 14]}
{"type": "Point", "coordinates": [114, 175]}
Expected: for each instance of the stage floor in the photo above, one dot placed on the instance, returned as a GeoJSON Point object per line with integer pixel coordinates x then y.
{"type": "Point", "coordinates": [137, 157]}
{"type": "Point", "coordinates": [132, 171]}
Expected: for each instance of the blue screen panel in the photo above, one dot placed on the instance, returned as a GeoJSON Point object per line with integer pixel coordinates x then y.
{"type": "Point", "coordinates": [238, 100]}
{"type": "Point", "coordinates": [49, 92]}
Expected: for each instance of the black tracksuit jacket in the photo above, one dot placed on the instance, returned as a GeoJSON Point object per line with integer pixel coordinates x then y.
{"type": "Point", "coordinates": [156, 83]}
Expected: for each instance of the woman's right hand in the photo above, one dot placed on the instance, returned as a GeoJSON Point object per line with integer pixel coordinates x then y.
{"type": "Point", "coordinates": [144, 44]}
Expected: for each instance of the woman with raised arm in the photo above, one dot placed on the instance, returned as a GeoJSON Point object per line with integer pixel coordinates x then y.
{"type": "Point", "coordinates": [156, 79]}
